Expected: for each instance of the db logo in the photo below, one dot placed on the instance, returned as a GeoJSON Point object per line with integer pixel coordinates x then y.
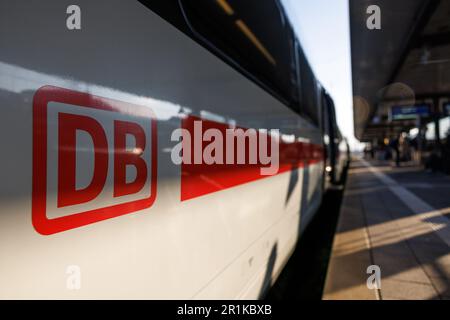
{"type": "Point", "coordinates": [93, 159]}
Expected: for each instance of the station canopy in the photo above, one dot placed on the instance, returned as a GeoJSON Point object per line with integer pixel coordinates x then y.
{"type": "Point", "coordinates": [406, 63]}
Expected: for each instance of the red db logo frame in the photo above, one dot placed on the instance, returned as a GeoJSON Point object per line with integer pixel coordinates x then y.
{"type": "Point", "coordinates": [67, 193]}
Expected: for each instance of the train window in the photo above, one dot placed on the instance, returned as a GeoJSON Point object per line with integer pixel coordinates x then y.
{"type": "Point", "coordinates": [310, 90]}
{"type": "Point", "coordinates": [298, 73]}
{"type": "Point", "coordinates": [257, 38]}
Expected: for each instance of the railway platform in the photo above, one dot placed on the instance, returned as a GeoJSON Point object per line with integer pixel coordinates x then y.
{"type": "Point", "coordinates": [398, 219]}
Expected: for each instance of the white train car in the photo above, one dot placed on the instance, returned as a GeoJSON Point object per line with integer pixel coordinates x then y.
{"type": "Point", "coordinates": [92, 204]}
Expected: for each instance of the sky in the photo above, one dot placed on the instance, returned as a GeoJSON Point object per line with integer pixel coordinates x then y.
{"type": "Point", "coordinates": [323, 28]}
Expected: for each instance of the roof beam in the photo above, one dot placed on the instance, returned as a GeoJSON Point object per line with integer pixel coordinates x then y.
{"type": "Point", "coordinates": [432, 40]}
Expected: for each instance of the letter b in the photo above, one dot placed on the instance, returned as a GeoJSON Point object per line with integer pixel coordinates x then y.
{"type": "Point", "coordinates": [124, 158]}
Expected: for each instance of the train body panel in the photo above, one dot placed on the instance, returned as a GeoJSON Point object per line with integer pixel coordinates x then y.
{"type": "Point", "coordinates": [336, 146]}
{"type": "Point", "coordinates": [225, 244]}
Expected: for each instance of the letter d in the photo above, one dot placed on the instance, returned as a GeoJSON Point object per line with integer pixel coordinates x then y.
{"type": "Point", "coordinates": [68, 124]}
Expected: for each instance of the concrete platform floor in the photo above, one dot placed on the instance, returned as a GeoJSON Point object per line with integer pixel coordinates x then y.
{"type": "Point", "coordinates": [399, 220]}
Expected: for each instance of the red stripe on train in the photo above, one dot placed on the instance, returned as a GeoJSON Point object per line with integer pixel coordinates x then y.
{"type": "Point", "coordinates": [201, 179]}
